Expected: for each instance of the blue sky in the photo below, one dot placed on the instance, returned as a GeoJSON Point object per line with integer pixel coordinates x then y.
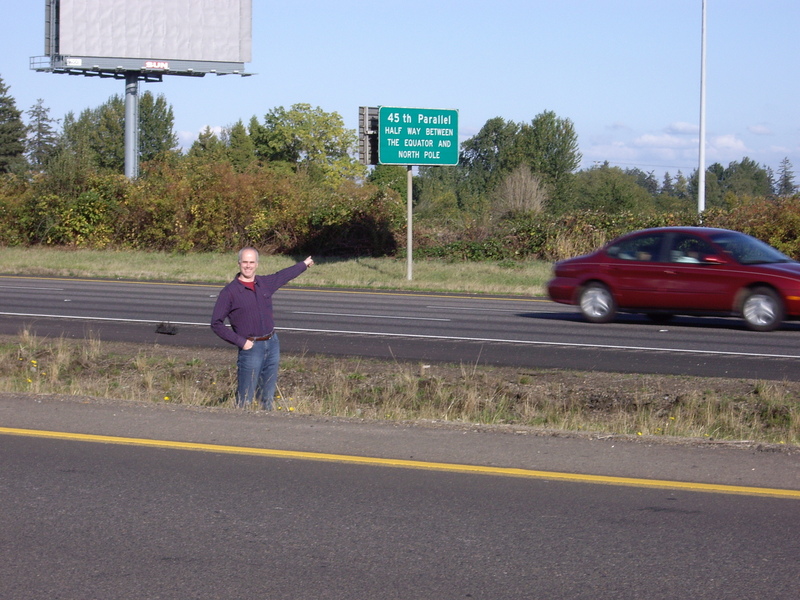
{"type": "Point", "coordinates": [626, 72]}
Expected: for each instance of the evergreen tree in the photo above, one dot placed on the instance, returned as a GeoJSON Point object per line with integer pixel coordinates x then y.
{"type": "Point", "coordinates": [667, 187]}
{"type": "Point", "coordinates": [746, 178]}
{"type": "Point", "coordinates": [12, 133]}
{"type": "Point", "coordinates": [208, 147]}
{"type": "Point", "coordinates": [42, 140]}
{"type": "Point", "coordinates": [241, 149]}
{"type": "Point", "coordinates": [785, 185]}
{"type": "Point", "coordinates": [717, 171]}
{"type": "Point", "coordinates": [644, 179]}
{"type": "Point", "coordinates": [715, 196]}
{"type": "Point", "coordinates": [681, 185]}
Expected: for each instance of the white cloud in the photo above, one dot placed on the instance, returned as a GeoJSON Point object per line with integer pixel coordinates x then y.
{"type": "Point", "coordinates": [760, 130]}
{"type": "Point", "coordinates": [665, 140]}
{"type": "Point", "coordinates": [613, 152]}
{"type": "Point", "coordinates": [187, 138]}
{"type": "Point", "coordinates": [728, 144]}
{"type": "Point", "coordinates": [676, 148]}
{"type": "Point", "coordinates": [683, 128]}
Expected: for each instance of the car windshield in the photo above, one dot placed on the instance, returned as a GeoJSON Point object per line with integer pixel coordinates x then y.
{"type": "Point", "coordinates": [748, 250]}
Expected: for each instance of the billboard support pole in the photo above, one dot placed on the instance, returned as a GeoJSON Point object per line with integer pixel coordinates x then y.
{"type": "Point", "coordinates": [131, 125]}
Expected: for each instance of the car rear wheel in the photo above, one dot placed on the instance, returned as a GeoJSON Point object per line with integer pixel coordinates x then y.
{"type": "Point", "coordinates": [597, 304]}
{"type": "Point", "coordinates": [762, 309]}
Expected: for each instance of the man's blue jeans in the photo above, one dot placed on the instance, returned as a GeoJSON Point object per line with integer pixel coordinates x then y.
{"type": "Point", "coordinates": [258, 373]}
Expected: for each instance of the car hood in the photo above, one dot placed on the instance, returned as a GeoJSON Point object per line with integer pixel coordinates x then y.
{"type": "Point", "coordinates": [578, 259]}
{"type": "Point", "coordinates": [788, 268]}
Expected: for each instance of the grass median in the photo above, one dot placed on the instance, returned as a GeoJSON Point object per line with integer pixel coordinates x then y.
{"type": "Point", "coordinates": [526, 278]}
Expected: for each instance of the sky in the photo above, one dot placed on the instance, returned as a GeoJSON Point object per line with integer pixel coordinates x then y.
{"type": "Point", "coordinates": [625, 72]}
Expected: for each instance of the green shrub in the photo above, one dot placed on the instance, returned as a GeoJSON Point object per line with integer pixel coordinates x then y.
{"type": "Point", "coordinates": [191, 205]}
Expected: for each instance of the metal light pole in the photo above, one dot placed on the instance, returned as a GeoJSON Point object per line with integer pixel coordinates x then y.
{"type": "Point", "coordinates": [701, 169]}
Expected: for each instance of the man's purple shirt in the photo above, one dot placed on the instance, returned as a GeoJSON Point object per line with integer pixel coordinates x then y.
{"type": "Point", "coordinates": [249, 313]}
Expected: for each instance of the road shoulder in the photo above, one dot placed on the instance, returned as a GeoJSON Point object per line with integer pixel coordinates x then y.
{"type": "Point", "coordinates": [717, 463]}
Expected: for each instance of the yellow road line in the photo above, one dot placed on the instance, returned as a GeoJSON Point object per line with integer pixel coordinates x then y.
{"type": "Point", "coordinates": [412, 464]}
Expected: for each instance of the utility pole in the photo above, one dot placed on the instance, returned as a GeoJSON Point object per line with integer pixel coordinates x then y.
{"type": "Point", "coordinates": [701, 169]}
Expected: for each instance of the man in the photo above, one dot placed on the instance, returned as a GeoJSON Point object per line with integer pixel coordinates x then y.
{"type": "Point", "coordinates": [246, 302]}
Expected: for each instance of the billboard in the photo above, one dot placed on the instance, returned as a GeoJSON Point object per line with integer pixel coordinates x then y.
{"type": "Point", "coordinates": [183, 37]}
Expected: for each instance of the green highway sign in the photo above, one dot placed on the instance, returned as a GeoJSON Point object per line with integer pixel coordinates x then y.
{"type": "Point", "coordinates": [417, 136]}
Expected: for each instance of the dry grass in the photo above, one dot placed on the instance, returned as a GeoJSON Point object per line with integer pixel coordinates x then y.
{"type": "Point", "coordinates": [646, 405]}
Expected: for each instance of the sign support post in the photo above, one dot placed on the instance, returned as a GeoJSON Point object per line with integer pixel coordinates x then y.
{"type": "Point", "coordinates": [415, 137]}
{"type": "Point", "coordinates": [409, 230]}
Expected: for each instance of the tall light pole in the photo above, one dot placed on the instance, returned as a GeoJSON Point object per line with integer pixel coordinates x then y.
{"type": "Point", "coordinates": [701, 169]}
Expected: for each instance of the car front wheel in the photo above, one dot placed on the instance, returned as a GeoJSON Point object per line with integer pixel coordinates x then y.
{"type": "Point", "coordinates": [762, 309]}
{"type": "Point", "coordinates": [597, 303]}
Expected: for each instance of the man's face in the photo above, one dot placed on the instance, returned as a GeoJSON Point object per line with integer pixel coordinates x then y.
{"type": "Point", "coordinates": [248, 264]}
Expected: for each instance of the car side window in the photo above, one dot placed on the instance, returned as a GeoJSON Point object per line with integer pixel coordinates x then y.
{"type": "Point", "coordinates": [686, 248]}
{"type": "Point", "coordinates": [643, 248]}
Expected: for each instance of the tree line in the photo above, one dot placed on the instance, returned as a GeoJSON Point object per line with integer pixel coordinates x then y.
{"type": "Point", "coordinates": [291, 182]}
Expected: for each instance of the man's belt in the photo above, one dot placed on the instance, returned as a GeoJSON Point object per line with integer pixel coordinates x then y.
{"type": "Point", "coordinates": [262, 338]}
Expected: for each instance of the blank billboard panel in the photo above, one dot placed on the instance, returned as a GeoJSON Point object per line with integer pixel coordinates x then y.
{"type": "Point", "coordinates": [181, 30]}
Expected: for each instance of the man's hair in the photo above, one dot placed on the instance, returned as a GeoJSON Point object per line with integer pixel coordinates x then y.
{"type": "Point", "coordinates": [242, 251]}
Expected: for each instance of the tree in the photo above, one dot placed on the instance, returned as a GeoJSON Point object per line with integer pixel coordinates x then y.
{"type": "Point", "coordinates": [311, 140]}
{"type": "Point", "coordinates": [42, 140]}
{"type": "Point", "coordinates": [440, 194]}
{"type": "Point", "coordinates": [156, 122]}
{"type": "Point", "coordinates": [394, 177]}
{"type": "Point", "coordinates": [646, 180]}
{"type": "Point", "coordinates": [746, 178]}
{"type": "Point", "coordinates": [785, 185]}
{"type": "Point", "coordinates": [489, 155]}
{"type": "Point", "coordinates": [681, 185]}
{"type": "Point", "coordinates": [520, 192]}
{"type": "Point", "coordinates": [98, 134]}
{"type": "Point", "coordinates": [611, 190]}
{"type": "Point", "coordinates": [12, 133]}
{"type": "Point", "coordinates": [241, 150]}
{"type": "Point", "coordinates": [667, 187]}
{"type": "Point", "coordinates": [101, 131]}
{"type": "Point", "coordinates": [108, 134]}
{"type": "Point", "coordinates": [550, 146]}
{"type": "Point", "coordinates": [715, 196]}
{"type": "Point", "coordinates": [208, 147]}
{"type": "Point", "coordinates": [69, 168]}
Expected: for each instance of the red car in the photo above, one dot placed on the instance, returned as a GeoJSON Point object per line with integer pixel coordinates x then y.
{"type": "Point", "coordinates": [682, 270]}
